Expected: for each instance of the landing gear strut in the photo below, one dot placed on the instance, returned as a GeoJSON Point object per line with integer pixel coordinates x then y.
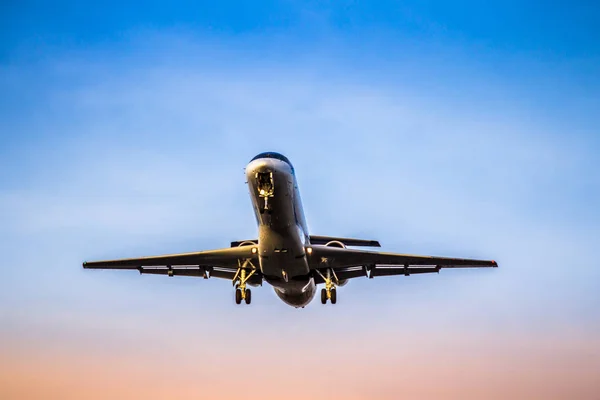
{"type": "Point", "coordinates": [239, 281]}
{"type": "Point", "coordinates": [329, 292]}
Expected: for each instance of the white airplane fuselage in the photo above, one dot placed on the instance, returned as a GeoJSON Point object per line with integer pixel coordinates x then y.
{"type": "Point", "coordinates": [282, 230]}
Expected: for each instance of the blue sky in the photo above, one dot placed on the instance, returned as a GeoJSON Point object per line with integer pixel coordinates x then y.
{"type": "Point", "coordinates": [561, 28]}
{"type": "Point", "coordinates": [463, 130]}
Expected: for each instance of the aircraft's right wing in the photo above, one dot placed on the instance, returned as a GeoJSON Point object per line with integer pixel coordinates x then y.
{"type": "Point", "coordinates": [221, 263]}
{"type": "Point", "coordinates": [350, 263]}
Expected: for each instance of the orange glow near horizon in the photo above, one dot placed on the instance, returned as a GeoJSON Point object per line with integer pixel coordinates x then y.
{"type": "Point", "coordinates": [384, 367]}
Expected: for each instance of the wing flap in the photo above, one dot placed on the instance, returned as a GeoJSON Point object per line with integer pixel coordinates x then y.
{"type": "Point", "coordinates": [204, 272]}
{"type": "Point", "coordinates": [389, 271]}
{"type": "Point", "coordinates": [200, 272]}
{"type": "Point", "coordinates": [357, 272]}
{"type": "Point", "coordinates": [350, 273]}
{"type": "Point", "coordinates": [343, 274]}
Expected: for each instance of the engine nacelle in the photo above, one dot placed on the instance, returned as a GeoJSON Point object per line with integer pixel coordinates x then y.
{"type": "Point", "coordinates": [250, 282]}
{"type": "Point", "coordinates": [337, 243]}
{"type": "Point", "coordinates": [247, 243]}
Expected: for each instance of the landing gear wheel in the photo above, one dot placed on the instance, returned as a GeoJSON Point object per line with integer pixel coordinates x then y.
{"type": "Point", "coordinates": [248, 296]}
{"type": "Point", "coordinates": [238, 296]}
{"type": "Point", "coordinates": [323, 296]}
{"type": "Point", "coordinates": [333, 296]}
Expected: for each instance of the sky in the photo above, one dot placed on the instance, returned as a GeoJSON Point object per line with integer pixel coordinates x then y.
{"type": "Point", "coordinates": [463, 129]}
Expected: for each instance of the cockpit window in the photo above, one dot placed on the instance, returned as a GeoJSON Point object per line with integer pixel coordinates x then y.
{"type": "Point", "coordinates": [272, 154]}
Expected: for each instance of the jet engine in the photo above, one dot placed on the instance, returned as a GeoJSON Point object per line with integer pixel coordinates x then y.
{"type": "Point", "coordinates": [337, 243]}
{"type": "Point", "coordinates": [251, 282]}
{"type": "Point", "coordinates": [245, 243]}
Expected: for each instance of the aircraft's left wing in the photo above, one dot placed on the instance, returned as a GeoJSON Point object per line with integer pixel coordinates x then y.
{"type": "Point", "coordinates": [350, 263]}
{"type": "Point", "coordinates": [221, 263]}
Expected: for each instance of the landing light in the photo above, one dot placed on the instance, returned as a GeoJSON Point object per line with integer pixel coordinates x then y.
{"type": "Point", "coordinates": [309, 250]}
{"type": "Point", "coordinates": [254, 250]}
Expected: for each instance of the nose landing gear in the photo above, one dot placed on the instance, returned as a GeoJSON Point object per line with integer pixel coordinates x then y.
{"type": "Point", "coordinates": [329, 292]}
{"type": "Point", "coordinates": [266, 188]}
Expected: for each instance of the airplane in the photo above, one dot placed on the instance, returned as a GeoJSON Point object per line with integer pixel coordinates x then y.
{"type": "Point", "coordinates": [284, 255]}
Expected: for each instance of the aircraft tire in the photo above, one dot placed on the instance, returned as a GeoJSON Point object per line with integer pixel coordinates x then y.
{"type": "Point", "coordinates": [333, 296]}
{"type": "Point", "coordinates": [238, 296]}
{"type": "Point", "coordinates": [248, 296]}
{"type": "Point", "coordinates": [323, 296]}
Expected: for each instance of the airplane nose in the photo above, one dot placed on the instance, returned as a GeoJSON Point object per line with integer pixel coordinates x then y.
{"type": "Point", "coordinates": [256, 167]}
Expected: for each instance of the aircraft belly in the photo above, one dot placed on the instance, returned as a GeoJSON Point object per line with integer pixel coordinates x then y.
{"type": "Point", "coordinates": [280, 242]}
{"type": "Point", "coordinates": [296, 293]}
{"type": "Point", "coordinates": [281, 250]}
{"type": "Point", "coordinates": [283, 266]}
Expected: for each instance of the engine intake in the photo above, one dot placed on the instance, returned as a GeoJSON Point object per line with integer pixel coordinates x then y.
{"type": "Point", "coordinates": [244, 243]}
{"type": "Point", "coordinates": [337, 243]}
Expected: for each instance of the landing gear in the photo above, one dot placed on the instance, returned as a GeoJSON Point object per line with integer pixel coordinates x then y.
{"type": "Point", "coordinates": [329, 292]}
{"type": "Point", "coordinates": [239, 281]}
{"type": "Point", "coordinates": [245, 295]}
{"type": "Point", "coordinates": [266, 189]}
{"type": "Point", "coordinates": [266, 207]}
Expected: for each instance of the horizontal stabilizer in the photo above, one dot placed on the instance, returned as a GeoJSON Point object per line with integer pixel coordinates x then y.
{"type": "Point", "coordinates": [323, 240]}
{"type": "Point", "coordinates": [346, 241]}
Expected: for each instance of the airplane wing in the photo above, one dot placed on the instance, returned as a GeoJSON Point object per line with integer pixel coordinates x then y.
{"type": "Point", "coordinates": [350, 263]}
{"type": "Point", "coordinates": [221, 263]}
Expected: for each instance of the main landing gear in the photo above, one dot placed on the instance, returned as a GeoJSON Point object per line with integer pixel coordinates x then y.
{"type": "Point", "coordinates": [329, 292]}
{"type": "Point", "coordinates": [239, 281]}
{"type": "Point", "coordinates": [331, 295]}
{"type": "Point", "coordinates": [246, 295]}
